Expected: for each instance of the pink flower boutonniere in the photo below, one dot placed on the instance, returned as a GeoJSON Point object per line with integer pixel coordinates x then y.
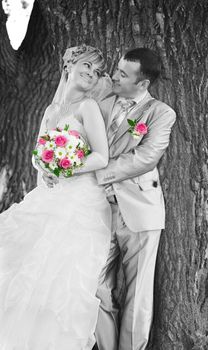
{"type": "Point", "coordinates": [137, 129]}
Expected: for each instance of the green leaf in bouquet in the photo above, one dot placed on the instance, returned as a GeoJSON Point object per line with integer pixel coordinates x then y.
{"type": "Point", "coordinates": [85, 148]}
{"type": "Point", "coordinates": [87, 151]}
{"type": "Point", "coordinates": [35, 152]}
{"type": "Point", "coordinates": [68, 173]}
{"type": "Point", "coordinates": [56, 172]}
{"type": "Point", "coordinates": [131, 122]}
{"type": "Point", "coordinates": [66, 128]}
{"type": "Point", "coordinates": [45, 137]}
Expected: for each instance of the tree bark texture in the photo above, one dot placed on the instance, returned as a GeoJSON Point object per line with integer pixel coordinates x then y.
{"type": "Point", "coordinates": [178, 31]}
{"type": "Point", "coordinates": [27, 81]}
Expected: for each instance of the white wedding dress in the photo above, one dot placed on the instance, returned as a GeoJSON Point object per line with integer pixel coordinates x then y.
{"type": "Point", "coordinates": [53, 246]}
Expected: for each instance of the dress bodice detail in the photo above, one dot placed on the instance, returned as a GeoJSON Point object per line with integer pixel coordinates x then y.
{"type": "Point", "coordinates": [73, 123]}
{"type": "Point", "coordinates": [66, 116]}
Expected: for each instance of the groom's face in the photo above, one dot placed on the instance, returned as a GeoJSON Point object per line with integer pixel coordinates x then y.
{"type": "Point", "coordinates": [128, 80]}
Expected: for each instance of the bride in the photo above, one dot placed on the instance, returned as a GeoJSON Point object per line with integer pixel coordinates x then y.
{"type": "Point", "coordinates": [54, 243]}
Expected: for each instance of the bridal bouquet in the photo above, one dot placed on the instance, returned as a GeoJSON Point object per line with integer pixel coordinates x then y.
{"type": "Point", "coordinates": [61, 151]}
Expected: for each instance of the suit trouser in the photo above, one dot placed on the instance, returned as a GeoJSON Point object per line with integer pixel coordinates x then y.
{"type": "Point", "coordinates": [138, 251]}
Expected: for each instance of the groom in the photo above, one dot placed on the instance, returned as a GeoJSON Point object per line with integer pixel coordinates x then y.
{"type": "Point", "coordinates": [133, 189]}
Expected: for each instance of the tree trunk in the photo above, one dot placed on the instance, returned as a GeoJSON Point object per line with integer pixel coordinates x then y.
{"type": "Point", "coordinates": [178, 30]}
{"type": "Point", "coordinates": [28, 79]}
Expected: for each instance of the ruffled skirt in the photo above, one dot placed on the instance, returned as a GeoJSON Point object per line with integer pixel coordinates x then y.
{"type": "Point", "coordinates": [53, 246]}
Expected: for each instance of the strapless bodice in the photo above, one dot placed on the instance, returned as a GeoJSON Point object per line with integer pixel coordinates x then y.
{"type": "Point", "coordinates": [60, 115]}
{"type": "Point", "coordinates": [74, 124]}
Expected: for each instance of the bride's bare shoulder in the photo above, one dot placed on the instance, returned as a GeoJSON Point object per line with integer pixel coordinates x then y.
{"type": "Point", "coordinates": [90, 111]}
{"type": "Point", "coordinates": [53, 107]}
{"type": "Point", "coordinates": [52, 111]}
{"type": "Point", "coordinates": [89, 104]}
{"type": "Point", "coordinates": [51, 115]}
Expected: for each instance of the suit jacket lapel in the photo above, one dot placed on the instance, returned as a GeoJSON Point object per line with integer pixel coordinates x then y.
{"type": "Point", "coordinates": [106, 106]}
{"type": "Point", "coordinates": [110, 113]}
{"type": "Point", "coordinates": [134, 113]}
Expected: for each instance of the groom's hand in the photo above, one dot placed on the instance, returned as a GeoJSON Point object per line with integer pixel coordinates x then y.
{"type": "Point", "coordinates": [49, 180]}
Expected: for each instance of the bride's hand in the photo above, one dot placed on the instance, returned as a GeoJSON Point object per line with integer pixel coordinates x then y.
{"type": "Point", "coordinates": [49, 180]}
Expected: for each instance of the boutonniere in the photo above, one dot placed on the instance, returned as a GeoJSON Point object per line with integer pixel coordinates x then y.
{"type": "Point", "coordinates": [137, 129]}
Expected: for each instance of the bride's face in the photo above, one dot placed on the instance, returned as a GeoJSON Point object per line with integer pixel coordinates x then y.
{"type": "Point", "coordinates": [84, 74]}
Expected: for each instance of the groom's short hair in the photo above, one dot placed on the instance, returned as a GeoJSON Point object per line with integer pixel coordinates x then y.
{"type": "Point", "coordinates": [149, 60]}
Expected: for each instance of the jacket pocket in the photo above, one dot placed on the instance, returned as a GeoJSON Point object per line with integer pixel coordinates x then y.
{"type": "Point", "coordinates": [148, 185]}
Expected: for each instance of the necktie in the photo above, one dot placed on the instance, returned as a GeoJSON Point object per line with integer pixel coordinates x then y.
{"type": "Point", "coordinates": [123, 106]}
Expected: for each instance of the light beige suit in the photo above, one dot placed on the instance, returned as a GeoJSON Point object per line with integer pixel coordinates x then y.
{"type": "Point", "coordinates": [138, 219]}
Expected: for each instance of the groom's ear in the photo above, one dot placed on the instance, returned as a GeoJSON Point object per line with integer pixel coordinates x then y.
{"type": "Point", "coordinates": [144, 84]}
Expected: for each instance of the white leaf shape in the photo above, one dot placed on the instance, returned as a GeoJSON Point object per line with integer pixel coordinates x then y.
{"type": "Point", "coordinates": [18, 12]}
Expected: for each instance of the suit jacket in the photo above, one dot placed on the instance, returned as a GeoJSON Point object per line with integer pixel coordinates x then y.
{"type": "Point", "coordinates": [132, 168]}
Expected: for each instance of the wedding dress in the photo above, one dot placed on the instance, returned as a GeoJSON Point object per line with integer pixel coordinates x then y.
{"type": "Point", "coordinates": [53, 246]}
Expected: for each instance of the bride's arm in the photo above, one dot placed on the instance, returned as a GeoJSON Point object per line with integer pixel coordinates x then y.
{"type": "Point", "coordinates": [96, 136]}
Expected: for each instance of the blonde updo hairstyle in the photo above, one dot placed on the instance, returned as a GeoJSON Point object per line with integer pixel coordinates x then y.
{"type": "Point", "coordinates": [93, 55]}
{"type": "Point", "coordinates": [86, 52]}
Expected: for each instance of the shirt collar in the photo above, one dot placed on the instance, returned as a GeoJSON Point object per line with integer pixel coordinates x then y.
{"type": "Point", "coordinates": [139, 98]}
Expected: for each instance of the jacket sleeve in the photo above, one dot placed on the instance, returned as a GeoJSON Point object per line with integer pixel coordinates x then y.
{"type": "Point", "coordinates": [145, 156]}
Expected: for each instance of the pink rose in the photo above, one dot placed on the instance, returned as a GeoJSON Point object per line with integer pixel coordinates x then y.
{"type": "Point", "coordinates": [80, 153]}
{"type": "Point", "coordinates": [74, 133]}
{"type": "Point", "coordinates": [60, 141]}
{"type": "Point", "coordinates": [41, 141]}
{"type": "Point", "coordinates": [141, 128]}
{"type": "Point", "coordinates": [65, 163]}
{"type": "Point", "coordinates": [47, 156]}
